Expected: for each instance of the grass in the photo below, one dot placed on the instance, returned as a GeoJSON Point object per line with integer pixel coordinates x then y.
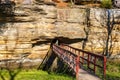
{"type": "Point", "coordinates": [112, 73]}
{"type": "Point", "coordinates": [113, 70]}
{"type": "Point", "coordinates": [36, 75]}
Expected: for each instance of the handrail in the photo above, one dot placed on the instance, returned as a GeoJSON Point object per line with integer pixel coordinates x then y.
{"type": "Point", "coordinates": [65, 55]}
{"type": "Point", "coordinates": [77, 58]}
{"type": "Point", "coordinates": [83, 51]}
{"type": "Point", "coordinates": [68, 57]}
{"type": "Point", "coordinates": [86, 56]}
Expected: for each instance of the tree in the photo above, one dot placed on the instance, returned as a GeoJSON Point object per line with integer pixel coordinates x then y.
{"type": "Point", "coordinates": [110, 25]}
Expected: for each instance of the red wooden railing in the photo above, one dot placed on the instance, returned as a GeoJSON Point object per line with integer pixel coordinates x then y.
{"type": "Point", "coordinates": [90, 59]}
{"type": "Point", "coordinates": [67, 56]}
{"type": "Point", "coordinates": [76, 58]}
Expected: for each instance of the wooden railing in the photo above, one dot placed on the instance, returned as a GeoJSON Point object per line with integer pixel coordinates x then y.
{"type": "Point", "coordinates": [92, 62]}
{"type": "Point", "coordinates": [67, 56]}
{"type": "Point", "coordinates": [77, 58]}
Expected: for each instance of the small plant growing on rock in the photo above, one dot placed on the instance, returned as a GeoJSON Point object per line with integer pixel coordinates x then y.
{"type": "Point", "coordinates": [106, 4]}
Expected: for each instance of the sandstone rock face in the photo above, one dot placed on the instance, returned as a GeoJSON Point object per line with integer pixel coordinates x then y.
{"type": "Point", "coordinates": [34, 26]}
{"type": "Point", "coordinates": [70, 22]}
{"type": "Point", "coordinates": [98, 17]}
{"type": "Point", "coordinates": [71, 30]}
{"type": "Point", "coordinates": [23, 1]}
{"type": "Point", "coordinates": [74, 15]}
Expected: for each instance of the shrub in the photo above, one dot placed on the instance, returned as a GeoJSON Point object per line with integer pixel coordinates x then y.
{"type": "Point", "coordinates": [106, 4]}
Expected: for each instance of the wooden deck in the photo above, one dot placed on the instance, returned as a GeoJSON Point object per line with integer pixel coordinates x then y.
{"type": "Point", "coordinates": [84, 75]}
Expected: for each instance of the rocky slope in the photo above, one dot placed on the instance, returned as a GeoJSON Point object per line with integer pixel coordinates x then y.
{"type": "Point", "coordinates": [33, 27]}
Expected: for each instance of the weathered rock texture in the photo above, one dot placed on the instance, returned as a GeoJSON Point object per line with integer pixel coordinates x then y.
{"type": "Point", "coordinates": [34, 26]}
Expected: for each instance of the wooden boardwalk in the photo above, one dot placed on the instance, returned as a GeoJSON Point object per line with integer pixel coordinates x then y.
{"type": "Point", "coordinates": [84, 75]}
{"type": "Point", "coordinates": [78, 60]}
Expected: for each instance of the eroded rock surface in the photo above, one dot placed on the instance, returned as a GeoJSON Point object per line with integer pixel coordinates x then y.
{"type": "Point", "coordinates": [33, 27]}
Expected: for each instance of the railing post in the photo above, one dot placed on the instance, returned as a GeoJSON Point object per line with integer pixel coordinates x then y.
{"type": "Point", "coordinates": [88, 62]}
{"type": "Point", "coordinates": [77, 67]}
{"type": "Point", "coordinates": [82, 57]}
{"type": "Point", "coordinates": [91, 60]}
{"type": "Point", "coordinates": [104, 63]}
{"type": "Point", "coordinates": [95, 64]}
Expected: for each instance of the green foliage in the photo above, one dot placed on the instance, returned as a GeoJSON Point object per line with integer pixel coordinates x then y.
{"type": "Point", "coordinates": [113, 70]}
{"type": "Point", "coordinates": [35, 75]}
{"type": "Point", "coordinates": [106, 4]}
{"type": "Point", "coordinates": [112, 73]}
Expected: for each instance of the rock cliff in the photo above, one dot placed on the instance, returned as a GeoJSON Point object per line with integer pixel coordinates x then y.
{"type": "Point", "coordinates": [34, 25]}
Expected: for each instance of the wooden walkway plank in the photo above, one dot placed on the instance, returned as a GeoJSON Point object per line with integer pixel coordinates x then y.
{"type": "Point", "coordinates": [84, 75]}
